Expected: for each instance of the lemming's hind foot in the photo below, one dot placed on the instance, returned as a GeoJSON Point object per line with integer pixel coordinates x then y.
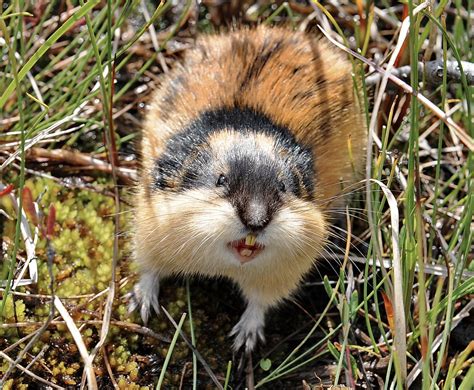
{"type": "Point", "coordinates": [249, 330]}
{"type": "Point", "coordinates": [144, 296]}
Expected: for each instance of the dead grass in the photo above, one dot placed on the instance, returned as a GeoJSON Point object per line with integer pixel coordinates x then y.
{"type": "Point", "coordinates": [74, 79]}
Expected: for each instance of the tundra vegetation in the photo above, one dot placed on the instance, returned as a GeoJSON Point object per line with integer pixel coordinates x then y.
{"type": "Point", "coordinates": [389, 306]}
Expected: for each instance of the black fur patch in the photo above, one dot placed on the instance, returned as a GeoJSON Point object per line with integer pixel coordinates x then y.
{"type": "Point", "coordinates": [260, 61]}
{"type": "Point", "coordinates": [321, 82]}
{"type": "Point", "coordinates": [186, 162]}
{"type": "Point", "coordinates": [174, 88]}
{"type": "Point", "coordinates": [253, 188]}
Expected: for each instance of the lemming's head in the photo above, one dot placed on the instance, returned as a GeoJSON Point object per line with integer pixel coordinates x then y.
{"type": "Point", "coordinates": [234, 188]}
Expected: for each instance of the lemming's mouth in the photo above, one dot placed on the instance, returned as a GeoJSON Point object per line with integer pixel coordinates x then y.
{"type": "Point", "coordinates": [246, 249]}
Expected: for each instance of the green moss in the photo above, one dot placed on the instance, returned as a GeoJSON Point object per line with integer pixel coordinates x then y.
{"type": "Point", "coordinates": [83, 249]}
{"type": "Point", "coordinates": [14, 312]}
{"type": "Point", "coordinates": [83, 239]}
{"type": "Point", "coordinates": [12, 385]}
{"type": "Point", "coordinates": [125, 384]}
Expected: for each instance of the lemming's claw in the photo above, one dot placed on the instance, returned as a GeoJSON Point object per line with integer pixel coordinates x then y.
{"type": "Point", "coordinates": [246, 337]}
{"type": "Point", "coordinates": [145, 297]}
{"type": "Point", "coordinates": [249, 330]}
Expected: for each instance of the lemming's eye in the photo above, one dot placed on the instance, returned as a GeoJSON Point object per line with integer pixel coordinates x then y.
{"type": "Point", "coordinates": [282, 186]}
{"type": "Point", "coordinates": [221, 181]}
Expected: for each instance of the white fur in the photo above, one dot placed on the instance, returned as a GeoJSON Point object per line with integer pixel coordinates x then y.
{"type": "Point", "coordinates": [249, 329]}
{"type": "Point", "coordinates": [189, 234]}
{"type": "Point", "coordinates": [145, 295]}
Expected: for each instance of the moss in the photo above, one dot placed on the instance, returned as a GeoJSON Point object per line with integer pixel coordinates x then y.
{"type": "Point", "coordinates": [83, 239]}
{"type": "Point", "coordinates": [64, 369]}
{"type": "Point", "coordinates": [83, 249]}
{"type": "Point", "coordinates": [12, 385]}
{"type": "Point", "coordinates": [14, 312]}
{"type": "Point", "coordinates": [125, 384]}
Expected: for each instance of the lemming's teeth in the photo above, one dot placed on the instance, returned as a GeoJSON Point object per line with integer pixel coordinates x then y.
{"type": "Point", "coordinates": [246, 252]}
{"type": "Point", "coordinates": [250, 239]}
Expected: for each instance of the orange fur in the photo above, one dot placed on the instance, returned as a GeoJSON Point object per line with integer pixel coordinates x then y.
{"type": "Point", "coordinates": [317, 102]}
{"type": "Point", "coordinates": [297, 81]}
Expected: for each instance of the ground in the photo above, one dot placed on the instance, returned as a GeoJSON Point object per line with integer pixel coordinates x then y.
{"type": "Point", "coordinates": [75, 137]}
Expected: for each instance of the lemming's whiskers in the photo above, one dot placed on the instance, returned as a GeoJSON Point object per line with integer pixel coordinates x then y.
{"type": "Point", "coordinates": [332, 256]}
{"type": "Point", "coordinates": [353, 236]}
{"type": "Point", "coordinates": [258, 149]}
{"type": "Point", "coordinates": [204, 242]}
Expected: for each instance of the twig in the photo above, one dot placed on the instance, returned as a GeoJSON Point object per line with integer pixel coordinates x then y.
{"type": "Point", "coordinates": [109, 369]}
{"type": "Point", "coordinates": [183, 373]}
{"type": "Point", "coordinates": [249, 372]}
{"type": "Point", "coordinates": [154, 37]}
{"type": "Point", "coordinates": [382, 14]}
{"type": "Point", "coordinates": [81, 159]}
{"type": "Point", "coordinates": [28, 372]}
{"type": "Point", "coordinates": [433, 71]}
{"type": "Point", "coordinates": [194, 350]}
{"type": "Point", "coordinates": [19, 342]}
{"type": "Point", "coordinates": [32, 141]}
{"type": "Point", "coordinates": [121, 324]}
{"type": "Point", "coordinates": [43, 296]}
{"type": "Point", "coordinates": [465, 138]}
{"type": "Point", "coordinates": [430, 269]}
{"type": "Point", "coordinates": [52, 137]}
{"type": "Point", "coordinates": [38, 356]}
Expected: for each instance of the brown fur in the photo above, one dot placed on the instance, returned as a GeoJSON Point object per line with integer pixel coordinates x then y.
{"type": "Point", "coordinates": [305, 85]}
{"type": "Point", "coordinates": [299, 82]}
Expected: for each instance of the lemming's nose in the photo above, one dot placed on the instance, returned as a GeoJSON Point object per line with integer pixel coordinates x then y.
{"type": "Point", "coordinates": [254, 215]}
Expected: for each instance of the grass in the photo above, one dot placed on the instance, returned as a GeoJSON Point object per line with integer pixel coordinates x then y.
{"type": "Point", "coordinates": [75, 75]}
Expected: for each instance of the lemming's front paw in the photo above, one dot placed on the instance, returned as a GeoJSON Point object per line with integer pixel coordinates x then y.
{"type": "Point", "coordinates": [249, 330]}
{"type": "Point", "coordinates": [145, 297]}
